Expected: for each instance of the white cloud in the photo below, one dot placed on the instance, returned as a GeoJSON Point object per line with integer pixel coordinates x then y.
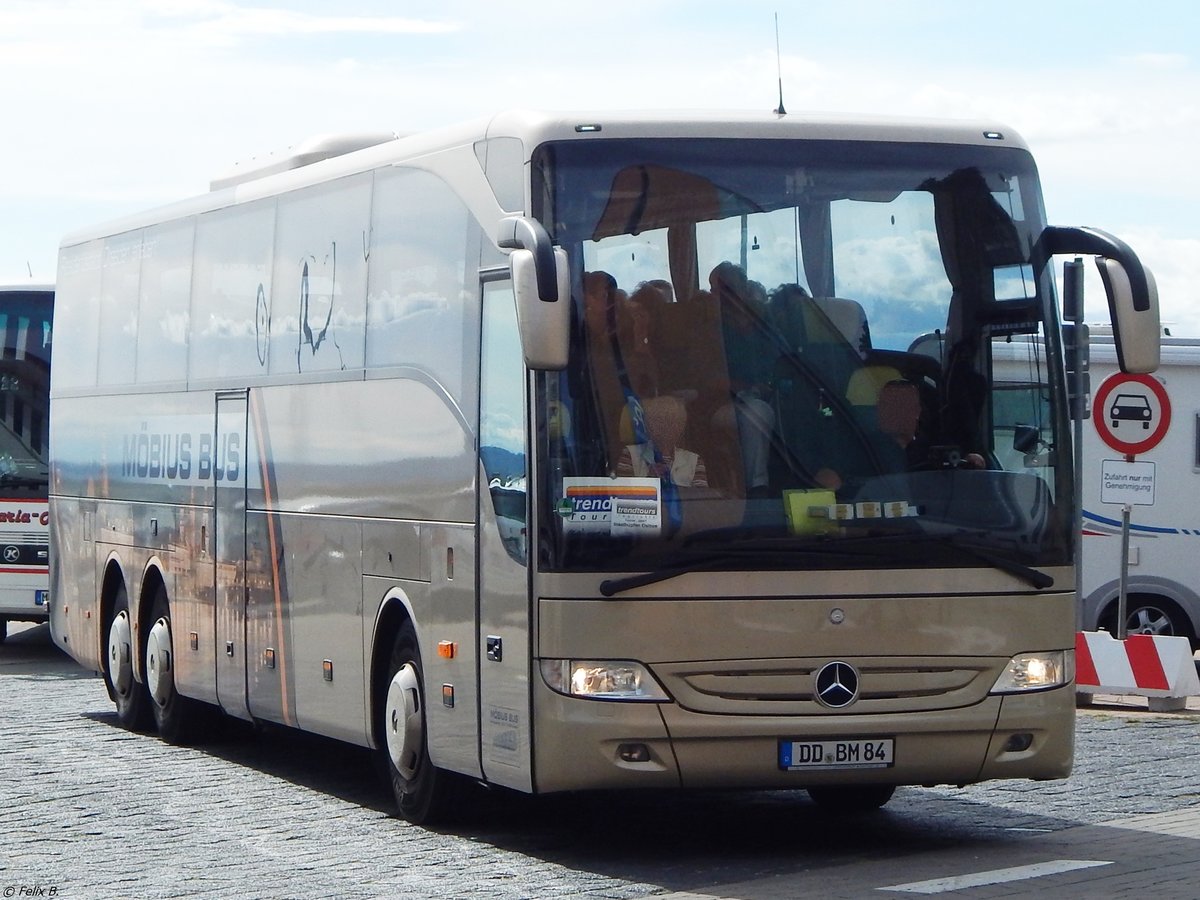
{"type": "Point", "coordinates": [1159, 60]}
{"type": "Point", "coordinates": [228, 24]}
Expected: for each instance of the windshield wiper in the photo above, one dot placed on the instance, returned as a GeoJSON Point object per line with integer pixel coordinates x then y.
{"type": "Point", "coordinates": [610, 587]}
{"type": "Point", "coordinates": [1031, 576]}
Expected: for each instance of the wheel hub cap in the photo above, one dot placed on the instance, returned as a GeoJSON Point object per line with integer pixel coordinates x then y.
{"type": "Point", "coordinates": [402, 722]}
{"type": "Point", "coordinates": [120, 660]}
{"type": "Point", "coordinates": [159, 676]}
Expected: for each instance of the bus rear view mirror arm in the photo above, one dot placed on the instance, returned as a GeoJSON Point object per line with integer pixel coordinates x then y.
{"type": "Point", "coordinates": [521, 233]}
{"type": "Point", "coordinates": [1129, 285]}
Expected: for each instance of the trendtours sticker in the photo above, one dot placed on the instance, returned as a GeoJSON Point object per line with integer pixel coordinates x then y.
{"type": "Point", "coordinates": [622, 506]}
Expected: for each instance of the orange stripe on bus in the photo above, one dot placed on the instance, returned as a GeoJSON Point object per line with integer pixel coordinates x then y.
{"type": "Point", "coordinates": [269, 505]}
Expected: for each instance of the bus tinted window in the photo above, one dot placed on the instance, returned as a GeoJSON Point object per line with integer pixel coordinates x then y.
{"type": "Point", "coordinates": [24, 393]}
{"type": "Point", "coordinates": [231, 283]}
{"type": "Point", "coordinates": [418, 279]}
{"type": "Point", "coordinates": [319, 292]}
{"type": "Point", "coordinates": [79, 284]}
{"type": "Point", "coordinates": [118, 317]}
{"type": "Point", "coordinates": [166, 290]}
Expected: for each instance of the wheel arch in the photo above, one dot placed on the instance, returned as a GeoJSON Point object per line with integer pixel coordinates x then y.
{"type": "Point", "coordinates": [153, 578]}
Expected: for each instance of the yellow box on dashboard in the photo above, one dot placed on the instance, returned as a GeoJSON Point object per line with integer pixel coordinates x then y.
{"type": "Point", "coordinates": [810, 511]}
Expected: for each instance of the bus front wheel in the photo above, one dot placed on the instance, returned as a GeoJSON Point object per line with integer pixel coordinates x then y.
{"type": "Point", "coordinates": [420, 788]}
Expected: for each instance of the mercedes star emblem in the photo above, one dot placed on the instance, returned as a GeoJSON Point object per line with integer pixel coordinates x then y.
{"type": "Point", "coordinates": [837, 684]}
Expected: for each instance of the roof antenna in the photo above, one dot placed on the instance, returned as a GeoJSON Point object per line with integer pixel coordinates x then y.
{"type": "Point", "coordinates": [779, 111]}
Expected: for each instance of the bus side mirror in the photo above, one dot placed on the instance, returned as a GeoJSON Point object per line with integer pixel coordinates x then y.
{"type": "Point", "coordinates": [1129, 285]}
{"type": "Point", "coordinates": [542, 288]}
{"type": "Point", "coordinates": [1025, 438]}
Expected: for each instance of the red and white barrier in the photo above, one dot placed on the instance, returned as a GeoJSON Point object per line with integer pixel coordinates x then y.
{"type": "Point", "coordinates": [1159, 668]}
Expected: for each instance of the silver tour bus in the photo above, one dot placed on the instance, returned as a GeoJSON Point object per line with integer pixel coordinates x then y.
{"type": "Point", "coordinates": [573, 452]}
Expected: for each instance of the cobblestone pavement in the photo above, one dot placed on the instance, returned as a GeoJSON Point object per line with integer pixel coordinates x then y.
{"type": "Point", "coordinates": [88, 809]}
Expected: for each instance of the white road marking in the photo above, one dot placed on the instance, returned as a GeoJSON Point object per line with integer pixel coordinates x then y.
{"type": "Point", "coordinates": [996, 876]}
{"type": "Point", "coordinates": [1178, 823]}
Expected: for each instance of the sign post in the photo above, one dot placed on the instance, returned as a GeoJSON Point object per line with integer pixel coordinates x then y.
{"type": "Point", "coordinates": [1132, 401]}
{"type": "Point", "coordinates": [1123, 590]}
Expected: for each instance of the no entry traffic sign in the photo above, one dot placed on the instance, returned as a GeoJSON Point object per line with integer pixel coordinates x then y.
{"type": "Point", "coordinates": [1131, 412]}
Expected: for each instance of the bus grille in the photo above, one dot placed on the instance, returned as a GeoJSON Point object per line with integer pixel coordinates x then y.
{"type": "Point", "coordinates": [25, 537]}
{"type": "Point", "coordinates": [787, 687]}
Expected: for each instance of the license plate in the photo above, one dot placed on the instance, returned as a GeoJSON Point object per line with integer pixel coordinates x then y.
{"type": "Point", "coordinates": [847, 753]}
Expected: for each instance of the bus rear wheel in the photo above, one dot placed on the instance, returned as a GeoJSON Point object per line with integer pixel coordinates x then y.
{"type": "Point", "coordinates": [851, 798]}
{"type": "Point", "coordinates": [177, 717]}
{"type": "Point", "coordinates": [130, 696]}
{"type": "Point", "coordinates": [420, 788]}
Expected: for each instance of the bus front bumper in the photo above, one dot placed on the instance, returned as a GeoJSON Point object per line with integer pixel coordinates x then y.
{"type": "Point", "coordinates": [589, 744]}
{"type": "Point", "coordinates": [24, 604]}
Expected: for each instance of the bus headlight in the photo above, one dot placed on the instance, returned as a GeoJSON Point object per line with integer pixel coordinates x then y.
{"type": "Point", "coordinates": [597, 679]}
{"type": "Point", "coordinates": [1036, 672]}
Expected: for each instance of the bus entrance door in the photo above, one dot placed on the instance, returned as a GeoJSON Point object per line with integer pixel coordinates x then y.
{"type": "Point", "coordinates": [505, 665]}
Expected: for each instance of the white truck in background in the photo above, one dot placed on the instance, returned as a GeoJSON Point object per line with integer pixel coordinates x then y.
{"type": "Point", "coordinates": [1163, 588]}
{"type": "Point", "coordinates": [1163, 593]}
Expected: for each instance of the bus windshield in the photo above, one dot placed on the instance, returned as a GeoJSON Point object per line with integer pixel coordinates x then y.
{"type": "Point", "coordinates": [24, 394]}
{"type": "Point", "coordinates": [782, 358]}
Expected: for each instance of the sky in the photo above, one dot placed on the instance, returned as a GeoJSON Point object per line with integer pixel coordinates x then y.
{"type": "Point", "coordinates": [113, 106]}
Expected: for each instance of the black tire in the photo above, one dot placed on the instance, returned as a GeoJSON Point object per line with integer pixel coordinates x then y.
{"type": "Point", "coordinates": [129, 695]}
{"type": "Point", "coordinates": [1148, 614]}
{"type": "Point", "coordinates": [421, 790]}
{"type": "Point", "coordinates": [855, 798]}
{"type": "Point", "coordinates": [179, 719]}
{"type": "Point", "coordinates": [3, 630]}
